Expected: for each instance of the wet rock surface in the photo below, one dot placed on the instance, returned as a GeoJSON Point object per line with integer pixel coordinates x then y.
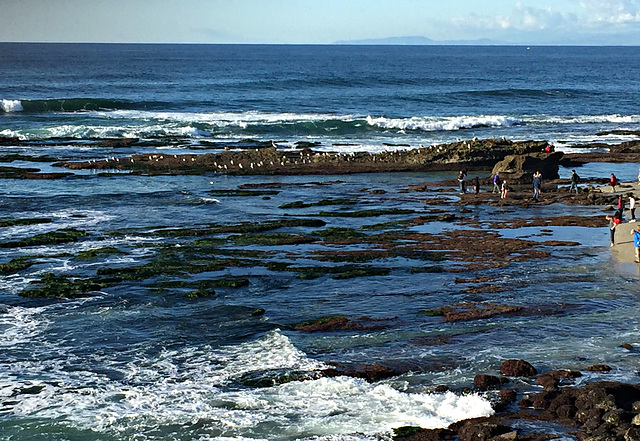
{"type": "Point", "coordinates": [476, 154]}
{"type": "Point", "coordinates": [603, 410]}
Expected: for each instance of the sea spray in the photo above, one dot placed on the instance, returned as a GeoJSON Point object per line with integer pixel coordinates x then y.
{"type": "Point", "coordinates": [11, 106]}
{"type": "Point", "coordinates": [184, 387]}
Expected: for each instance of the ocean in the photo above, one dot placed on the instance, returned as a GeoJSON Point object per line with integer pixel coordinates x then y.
{"type": "Point", "coordinates": [142, 360]}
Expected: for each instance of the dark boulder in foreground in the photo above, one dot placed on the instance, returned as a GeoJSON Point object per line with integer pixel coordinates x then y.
{"type": "Point", "coordinates": [602, 411]}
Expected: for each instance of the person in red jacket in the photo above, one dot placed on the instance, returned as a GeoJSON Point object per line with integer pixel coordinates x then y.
{"type": "Point", "coordinates": [613, 181]}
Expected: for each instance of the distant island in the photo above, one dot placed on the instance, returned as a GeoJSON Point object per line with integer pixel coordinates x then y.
{"type": "Point", "coordinates": [418, 41]}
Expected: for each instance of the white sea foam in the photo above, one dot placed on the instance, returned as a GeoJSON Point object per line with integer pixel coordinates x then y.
{"type": "Point", "coordinates": [187, 388]}
{"type": "Point", "coordinates": [224, 119]}
{"type": "Point", "coordinates": [147, 124]}
{"type": "Point", "coordinates": [11, 106]}
{"type": "Point", "coordinates": [63, 219]}
{"type": "Point", "coordinates": [432, 123]}
{"type": "Point", "coordinates": [583, 119]}
{"type": "Point", "coordinates": [20, 325]}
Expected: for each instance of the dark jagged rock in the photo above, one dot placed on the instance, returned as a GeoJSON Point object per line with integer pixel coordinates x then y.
{"type": "Point", "coordinates": [479, 429]}
{"type": "Point", "coordinates": [519, 169]}
{"type": "Point", "coordinates": [342, 323]}
{"type": "Point", "coordinates": [517, 368]}
{"type": "Point", "coordinates": [551, 380]}
{"type": "Point", "coordinates": [486, 382]}
{"type": "Point", "coordinates": [626, 147]}
{"type": "Point", "coordinates": [9, 140]}
{"type": "Point", "coordinates": [369, 372]}
{"type": "Point", "coordinates": [118, 142]}
{"type": "Point", "coordinates": [507, 395]}
{"type": "Point", "coordinates": [599, 368]}
{"type": "Point", "coordinates": [471, 311]}
{"type": "Point", "coordinates": [600, 411]}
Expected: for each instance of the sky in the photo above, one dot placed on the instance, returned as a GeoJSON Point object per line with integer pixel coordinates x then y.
{"type": "Point", "coordinates": [529, 22]}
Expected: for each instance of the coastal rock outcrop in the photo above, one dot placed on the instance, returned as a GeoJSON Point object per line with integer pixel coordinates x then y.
{"type": "Point", "coordinates": [470, 155]}
{"type": "Point", "coordinates": [601, 411]}
{"type": "Point", "coordinates": [520, 168]}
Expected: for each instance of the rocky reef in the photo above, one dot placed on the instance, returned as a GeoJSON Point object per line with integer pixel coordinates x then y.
{"type": "Point", "coordinates": [469, 155]}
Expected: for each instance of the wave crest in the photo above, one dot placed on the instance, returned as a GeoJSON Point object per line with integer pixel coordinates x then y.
{"type": "Point", "coordinates": [9, 106]}
{"type": "Point", "coordinates": [71, 105]}
{"type": "Point", "coordinates": [433, 124]}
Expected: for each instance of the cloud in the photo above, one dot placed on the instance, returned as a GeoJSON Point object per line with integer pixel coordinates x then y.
{"type": "Point", "coordinates": [521, 18]}
{"type": "Point", "coordinates": [576, 21]}
{"type": "Point", "coordinates": [611, 12]}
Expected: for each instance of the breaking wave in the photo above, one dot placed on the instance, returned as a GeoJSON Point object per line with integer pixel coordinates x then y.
{"type": "Point", "coordinates": [109, 118]}
{"type": "Point", "coordinates": [189, 388]}
{"type": "Point", "coordinates": [452, 123]}
{"type": "Point", "coordinates": [71, 105]}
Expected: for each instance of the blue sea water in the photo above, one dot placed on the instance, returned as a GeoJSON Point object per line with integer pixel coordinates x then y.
{"type": "Point", "coordinates": [134, 364]}
{"type": "Point", "coordinates": [367, 95]}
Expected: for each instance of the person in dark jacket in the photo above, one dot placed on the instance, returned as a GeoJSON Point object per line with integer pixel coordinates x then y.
{"type": "Point", "coordinates": [537, 183]}
{"type": "Point", "coordinates": [574, 181]}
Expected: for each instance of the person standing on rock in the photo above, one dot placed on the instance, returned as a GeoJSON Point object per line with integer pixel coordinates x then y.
{"type": "Point", "coordinates": [504, 190]}
{"type": "Point", "coordinates": [632, 207]}
{"type": "Point", "coordinates": [461, 182]}
{"type": "Point", "coordinates": [476, 185]}
{"type": "Point", "coordinates": [613, 223]}
{"type": "Point", "coordinates": [636, 243]}
{"type": "Point", "coordinates": [496, 183]}
{"type": "Point", "coordinates": [574, 181]}
{"type": "Point", "coordinates": [537, 183]}
{"type": "Point", "coordinates": [613, 181]}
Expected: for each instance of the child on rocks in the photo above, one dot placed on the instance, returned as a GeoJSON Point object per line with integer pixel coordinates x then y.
{"type": "Point", "coordinates": [505, 190]}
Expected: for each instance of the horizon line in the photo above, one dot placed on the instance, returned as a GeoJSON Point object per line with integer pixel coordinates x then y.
{"type": "Point", "coordinates": [355, 43]}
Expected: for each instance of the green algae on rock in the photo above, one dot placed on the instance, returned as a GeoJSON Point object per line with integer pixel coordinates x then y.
{"type": "Point", "coordinates": [427, 269]}
{"type": "Point", "coordinates": [51, 238]}
{"type": "Point", "coordinates": [338, 233]}
{"type": "Point", "coordinates": [366, 213]}
{"type": "Point", "coordinates": [243, 193]}
{"type": "Point", "coordinates": [11, 222]}
{"type": "Point", "coordinates": [17, 264]}
{"type": "Point", "coordinates": [64, 287]}
{"type": "Point", "coordinates": [273, 239]}
{"type": "Point", "coordinates": [361, 272]}
{"type": "Point", "coordinates": [95, 253]}
{"type": "Point", "coordinates": [244, 227]}
{"type": "Point", "coordinates": [322, 203]}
